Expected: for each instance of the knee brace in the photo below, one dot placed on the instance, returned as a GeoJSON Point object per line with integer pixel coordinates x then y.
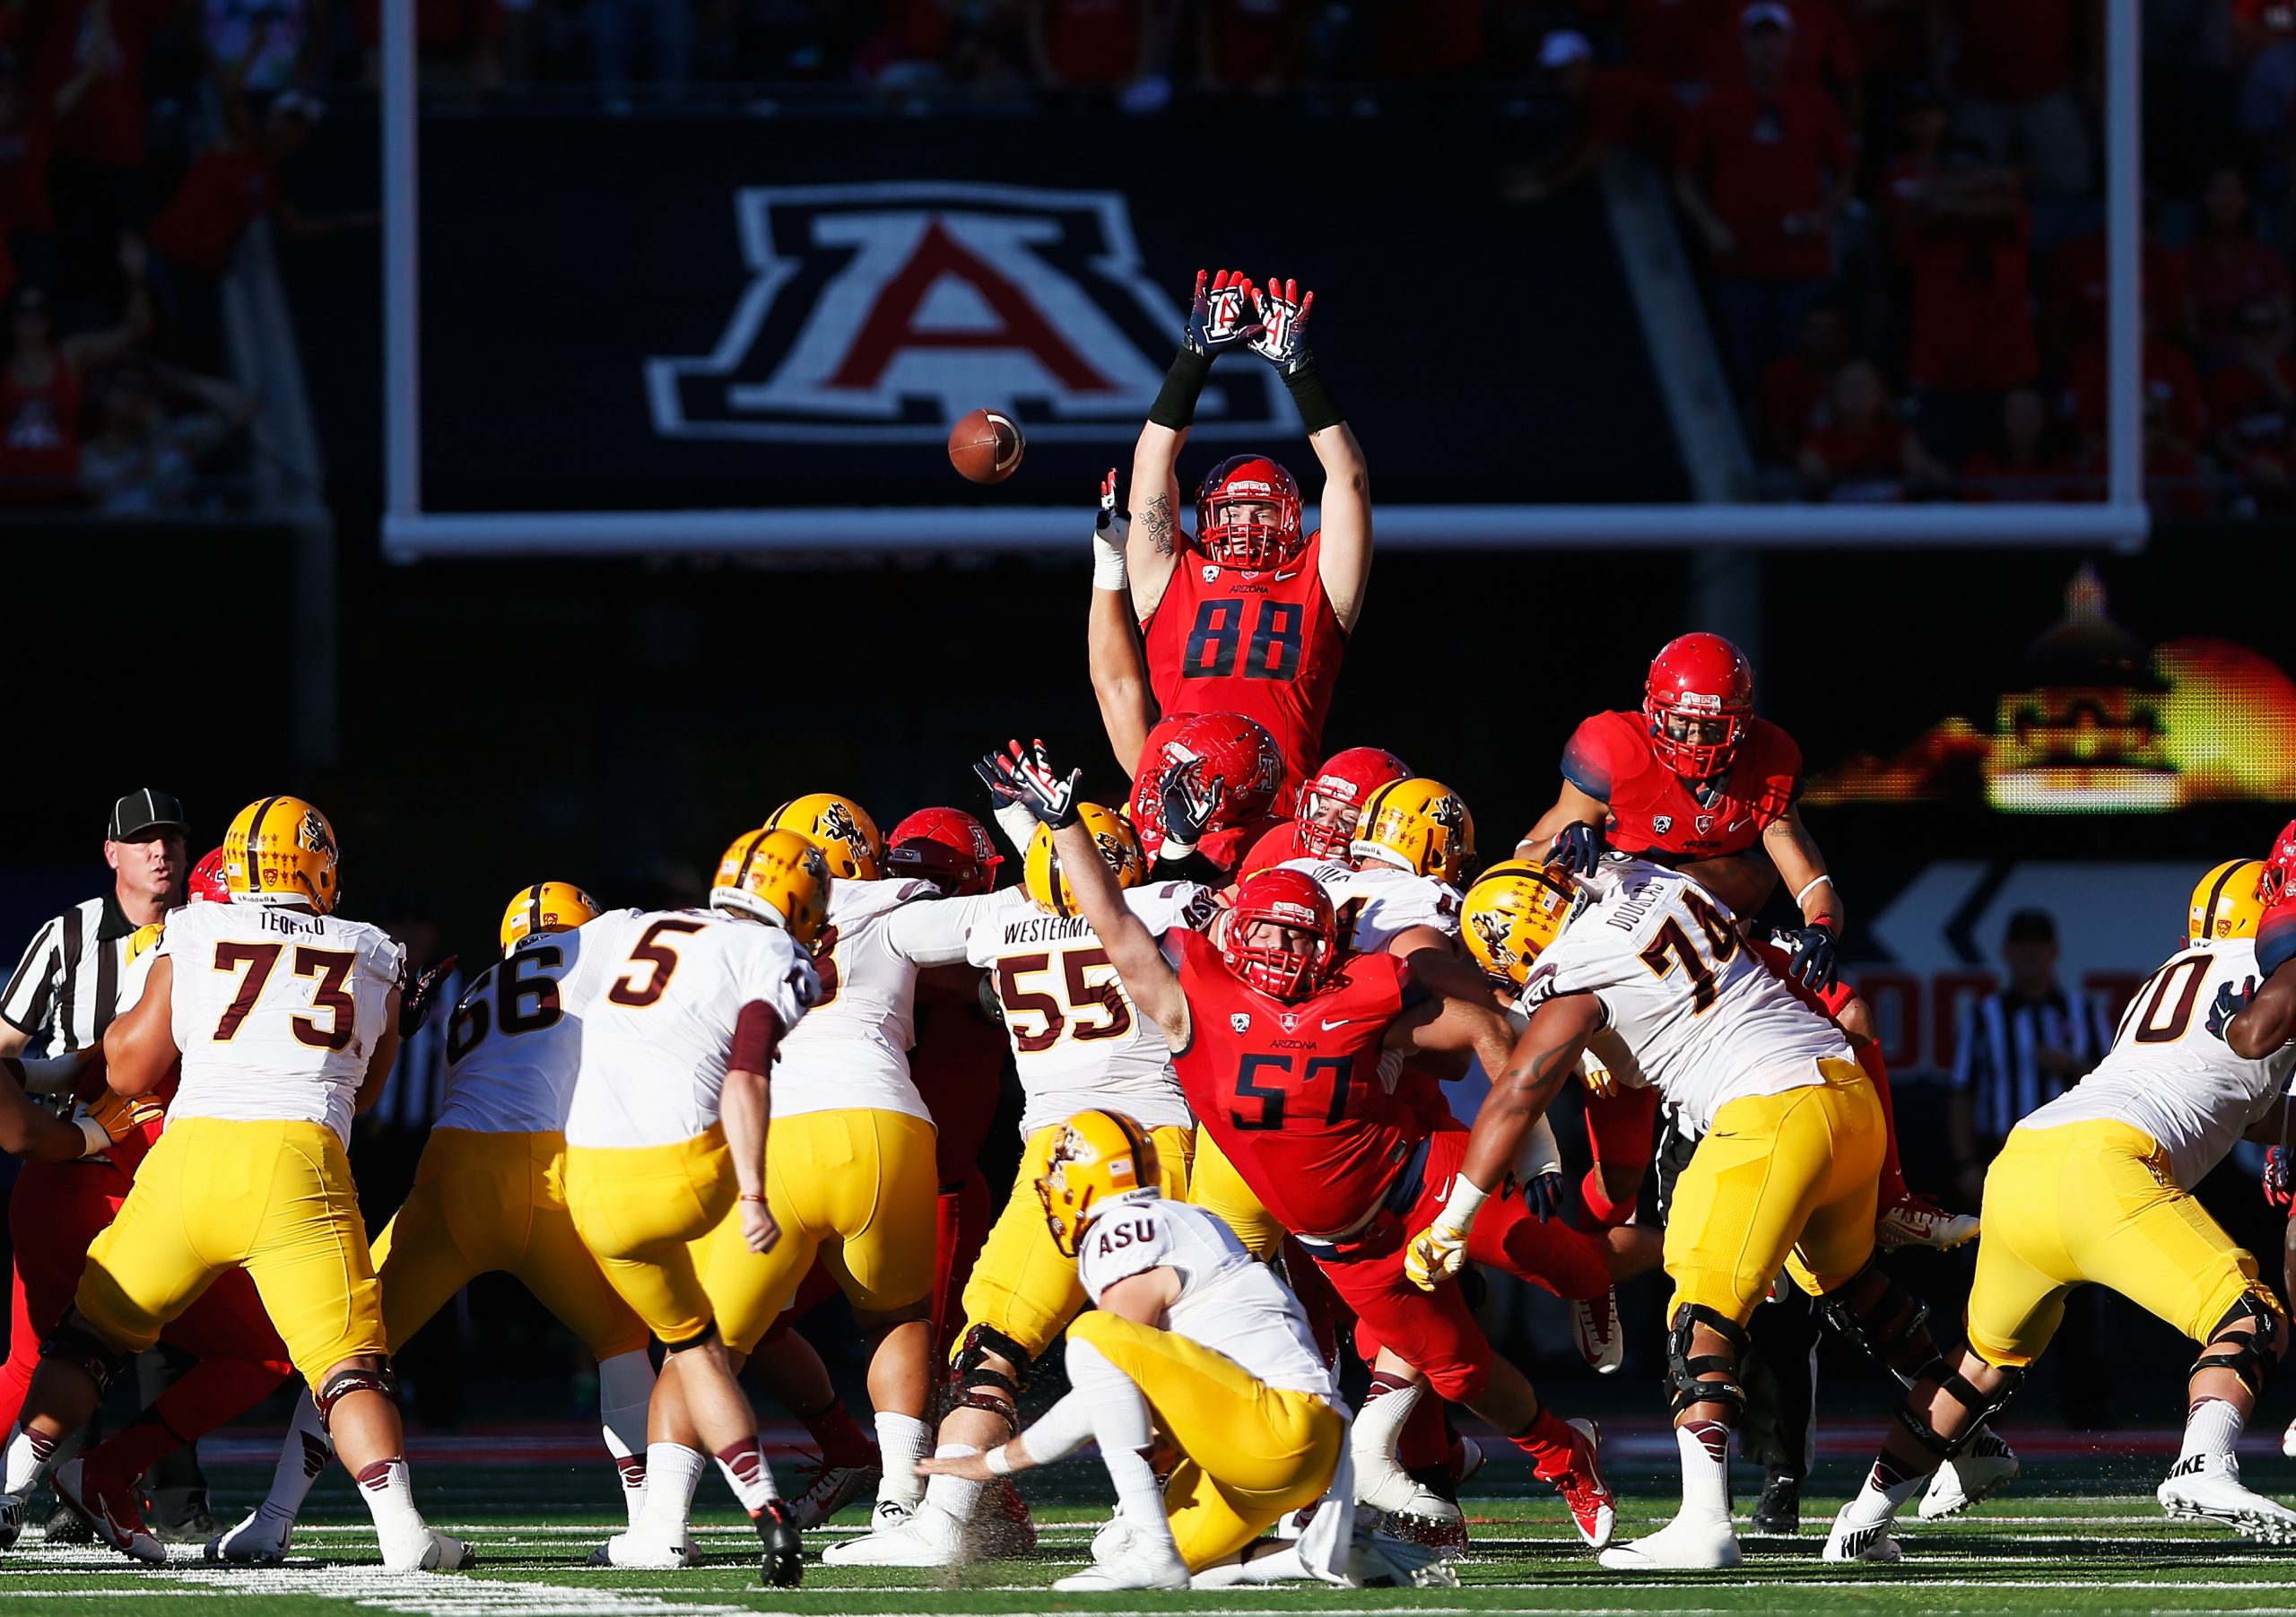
{"type": "Point", "coordinates": [972, 1360]}
{"type": "Point", "coordinates": [77, 1344]}
{"type": "Point", "coordinates": [1892, 1325]}
{"type": "Point", "coordinates": [2247, 1354]}
{"type": "Point", "coordinates": [1705, 1379]}
{"type": "Point", "coordinates": [1963, 1392]}
{"type": "Point", "coordinates": [344, 1382]}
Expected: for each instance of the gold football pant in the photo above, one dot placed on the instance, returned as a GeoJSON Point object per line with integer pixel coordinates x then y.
{"type": "Point", "coordinates": [1788, 1181]}
{"type": "Point", "coordinates": [641, 1210]}
{"type": "Point", "coordinates": [1254, 1452]}
{"type": "Point", "coordinates": [487, 1200]}
{"type": "Point", "coordinates": [860, 1189]}
{"type": "Point", "coordinates": [2093, 1203]}
{"type": "Point", "coordinates": [1215, 1185]}
{"type": "Point", "coordinates": [273, 1198]}
{"type": "Point", "coordinates": [1023, 1287]}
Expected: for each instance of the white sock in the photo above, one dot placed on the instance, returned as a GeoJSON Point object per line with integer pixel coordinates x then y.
{"type": "Point", "coordinates": [1278, 1566]}
{"type": "Point", "coordinates": [902, 1440]}
{"type": "Point", "coordinates": [665, 1504]}
{"type": "Point", "coordinates": [389, 1495]}
{"type": "Point", "coordinates": [2211, 1426]}
{"type": "Point", "coordinates": [303, 1454]}
{"type": "Point", "coordinates": [1886, 1493]}
{"type": "Point", "coordinates": [743, 1466]}
{"type": "Point", "coordinates": [1379, 1422]}
{"type": "Point", "coordinates": [1121, 1427]}
{"type": "Point", "coordinates": [953, 1496]}
{"type": "Point", "coordinates": [625, 1389]}
{"type": "Point", "coordinates": [1705, 1448]}
{"type": "Point", "coordinates": [28, 1458]}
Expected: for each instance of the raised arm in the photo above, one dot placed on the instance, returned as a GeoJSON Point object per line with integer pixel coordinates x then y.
{"type": "Point", "coordinates": [1281, 341]}
{"type": "Point", "coordinates": [1113, 652]}
{"type": "Point", "coordinates": [1220, 316]}
{"type": "Point", "coordinates": [1803, 871]}
{"type": "Point", "coordinates": [140, 1045]}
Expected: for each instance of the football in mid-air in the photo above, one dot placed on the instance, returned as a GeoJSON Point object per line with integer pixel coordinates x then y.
{"type": "Point", "coordinates": [986, 446]}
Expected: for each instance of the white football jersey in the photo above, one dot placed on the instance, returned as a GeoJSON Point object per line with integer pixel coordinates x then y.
{"type": "Point", "coordinates": [1378, 902]}
{"type": "Point", "coordinates": [276, 1012]}
{"type": "Point", "coordinates": [1077, 1043]}
{"type": "Point", "coordinates": [1228, 1301]}
{"type": "Point", "coordinates": [1706, 1021]}
{"type": "Point", "coordinates": [2172, 1078]}
{"type": "Point", "coordinates": [514, 1045]}
{"type": "Point", "coordinates": [852, 1052]}
{"type": "Point", "coordinates": [660, 996]}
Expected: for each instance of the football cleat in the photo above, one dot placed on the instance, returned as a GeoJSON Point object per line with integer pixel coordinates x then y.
{"type": "Point", "coordinates": [1919, 1221]}
{"type": "Point", "coordinates": [929, 1537]}
{"type": "Point", "coordinates": [259, 1541]}
{"type": "Point", "coordinates": [627, 1549]}
{"type": "Point", "coordinates": [2287, 1446]}
{"type": "Point", "coordinates": [830, 1490]}
{"type": "Point", "coordinates": [12, 1519]}
{"type": "Point", "coordinates": [783, 1564]}
{"type": "Point", "coordinates": [112, 1505]}
{"type": "Point", "coordinates": [430, 1550]}
{"type": "Point", "coordinates": [1685, 1544]}
{"type": "Point", "coordinates": [1861, 1541]}
{"type": "Point", "coordinates": [1376, 1562]}
{"type": "Point", "coordinates": [2208, 1488]}
{"type": "Point", "coordinates": [1144, 1562]}
{"type": "Point", "coordinates": [66, 1526]}
{"type": "Point", "coordinates": [199, 1523]}
{"type": "Point", "coordinates": [1986, 1466]}
{"type": "Point", "coordinates": [1592, 1506]}
{"type": "Point", "coordinates": [1594, 1324]}
{"type": "Point", "coordinates": [1472, 1460]}
{"type": "Point", "coordinates": [1779, 1511]}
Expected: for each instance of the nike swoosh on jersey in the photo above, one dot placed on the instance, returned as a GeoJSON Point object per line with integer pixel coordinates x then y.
{"type": "Point", "coordinates": [1287, 578]}
{"type": "Point", "coordinates": [1341, 1022]}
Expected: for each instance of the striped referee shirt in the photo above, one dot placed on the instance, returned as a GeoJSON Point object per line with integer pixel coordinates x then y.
{"type": "Point", "coordinates": [2002, 1034]}
{"type": "Point", "coordinates": [65, 990]}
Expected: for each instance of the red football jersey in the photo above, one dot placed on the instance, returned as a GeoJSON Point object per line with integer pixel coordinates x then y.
{"type": "Point", "coordinates": [1266, 644]}
{"type": "Point", "coordinates": [1291, 1092]}
{"type": "Point", "coordinates": [1281, 843]}
{"type": "Point", "coordinates": [1654, 812]}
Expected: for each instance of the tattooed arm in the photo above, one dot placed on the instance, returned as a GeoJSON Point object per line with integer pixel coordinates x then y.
{"type": "Point", "coordinates": [1154, 547]}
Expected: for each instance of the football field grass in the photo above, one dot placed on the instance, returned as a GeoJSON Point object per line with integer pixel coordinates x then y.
{"type": "Point", "coordinates": [2079, 1536]}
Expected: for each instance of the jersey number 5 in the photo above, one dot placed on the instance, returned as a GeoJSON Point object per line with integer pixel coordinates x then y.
{"type": "Point", "coordinates": [1274, 650]}
{"type": "Point", "coordinates": [627, 990]}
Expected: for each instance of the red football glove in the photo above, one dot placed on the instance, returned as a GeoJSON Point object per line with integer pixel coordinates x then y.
{"type": "Point", "coordinates": [1282, 339]}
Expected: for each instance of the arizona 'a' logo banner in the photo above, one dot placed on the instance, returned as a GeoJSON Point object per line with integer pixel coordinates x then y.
{"type": "Point", "coordinates": [882, 313]}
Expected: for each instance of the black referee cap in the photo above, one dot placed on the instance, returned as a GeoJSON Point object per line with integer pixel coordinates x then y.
{"type": "Point", "coordinates": [2032, 926]}
{"type": "Point", "coordinates": [138, 815]}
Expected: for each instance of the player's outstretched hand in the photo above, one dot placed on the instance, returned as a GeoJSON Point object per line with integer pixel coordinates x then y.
{"type": "Point", "coordinates": [971, 1467]}
{"type": "Point", "coordinates": [1110, 522]}
{"type": "Point", "coordinates": [1578, 846]}
{"type": "Point", "coordinates": [1222, 313]}
{"type": "Point", "coordinates": [1026, 776]}
{"type": "Point", "coordinates": [1436, 1254]}
{"type": "Point", "coordinates": [118, 1115]}
{"type": "Point", "coordinates": [1190, 801]}
{"type": "Point", "coordinates": [414, 1006]}
{"type": "Point", "coordinates": [2280, 1178]}
{"type": "Point", "coordinates": [1282, 339]}
{"type": "Point", "coordinates": [1813, 965]}
{"type": "Point", "coordinates": [1542, 1194]}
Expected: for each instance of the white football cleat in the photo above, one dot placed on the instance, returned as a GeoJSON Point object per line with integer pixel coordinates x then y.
{"type": "Point", "coordinates": [1376, 1562]}
{"type": "Point", "coordinates": [1919, 1221]}
{"type": "Point", "coordinates": [1146, 1562]}
{"type": "Point", "coordinates": [831, 1491]}
{"type": "Point", "coordinates": [1862, 1541]}
{"type": "Point", "coordinates": [2287, 1446]}
{"type": "Point", "coordinates": [1679, 1546]}
{"type": "Point", "coordinates": [1983, 1468]}
{"type": "Point", "coordinates": [627, 1550]}
{"type": "Point", "coordinates": [1472, 1459]}
{"type": "Point", "coordinates": [431, 1551]}
{"type": "Point", "coordinates": [2208, 1488]}
{"type": "Point", "coordinates": [1593, 1325]}
{"type": "Point", "coordinates": [259, 1541]}
{"type": "Point", "coordinates": [1408, 1508]}
{"type": "Point", "coordinates": [927, 1537]}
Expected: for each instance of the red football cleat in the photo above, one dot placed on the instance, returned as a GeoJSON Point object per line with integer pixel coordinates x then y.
{"type": "Point", "coordinates": [113, 1504]}
{"type": "Point", "coordinates": [1592, 1506]}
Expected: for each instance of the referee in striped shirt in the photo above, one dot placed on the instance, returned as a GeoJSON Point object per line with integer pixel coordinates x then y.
{"type": "Point", "coordinates": [64, 993]}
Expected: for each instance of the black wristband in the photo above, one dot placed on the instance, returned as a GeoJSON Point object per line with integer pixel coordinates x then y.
{"type": "Point", "coordinates": [1318, 409]}
{"type": "Point", "coordinates": [1175, 405]}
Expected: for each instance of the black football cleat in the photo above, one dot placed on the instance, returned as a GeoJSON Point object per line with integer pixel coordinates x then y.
{"type": "Point", "coordinates": [1780, 1509]}
{"type": "Point", "coordinates": [784, 1565]}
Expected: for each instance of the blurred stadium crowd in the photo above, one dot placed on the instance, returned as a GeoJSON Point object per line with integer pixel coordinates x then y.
{"type": "Point", "coordinates": [1896, 202]}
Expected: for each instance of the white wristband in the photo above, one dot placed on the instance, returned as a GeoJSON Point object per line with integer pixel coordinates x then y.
{"type": "Point", "coordinates": [1814, 884]}
{"type": "Point", "coordinates": [1107, 558]}
{"type": "Point", "coordinates": [1172, 847]}
{"type": "Point", "coordinates": [999, 1463]}
{"type": "Point", "coordinates": [98, 1137]}
{"type": "Point", "coordinates": [1464, 1202]}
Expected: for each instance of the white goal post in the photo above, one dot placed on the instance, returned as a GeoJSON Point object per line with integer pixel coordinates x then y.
{"type": "Point", "coordinates": [2119, 521]}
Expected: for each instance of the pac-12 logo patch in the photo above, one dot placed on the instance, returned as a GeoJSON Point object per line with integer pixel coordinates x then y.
{"type": "Point", "coordinates": [882, 313]}
{"type": "Point", "coordinates": [1662, 824]}
{"type": "Point", "coordinates": [1241, 1021]}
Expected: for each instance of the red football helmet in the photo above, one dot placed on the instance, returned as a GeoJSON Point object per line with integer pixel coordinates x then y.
{"type": "Point", "coordinates": [947, 847]}
{"type": "Point", "coordinates": [205, 884]}
{"type": "Point", "coordinates": [1238, 479]}
{"type": "Point", "coordinates": [1700, 684]}
{"type": "Point", "coordinates": [2279, 865]}
{"type": "Point", "coordinates": [1330, 804]}
{"type": "Point", "coordinates": [1281, 898]}
{"type": "Point", "coordinates": [1237, 753]}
